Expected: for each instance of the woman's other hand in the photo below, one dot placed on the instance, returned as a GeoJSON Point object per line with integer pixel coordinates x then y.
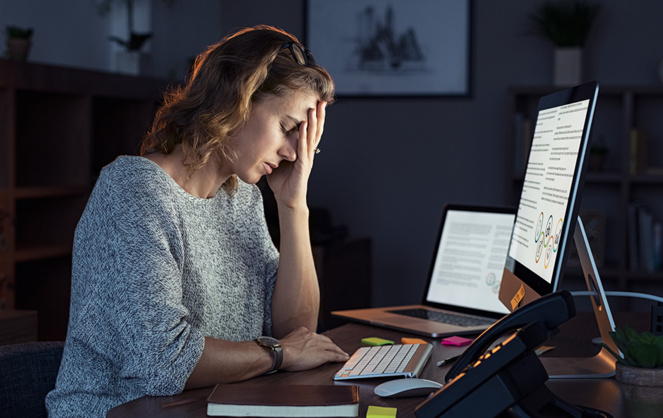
{"type": "Point", "coordinates": [304, 350]}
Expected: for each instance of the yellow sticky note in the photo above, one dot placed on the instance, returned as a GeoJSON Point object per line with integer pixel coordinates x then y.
{"type": "Point", "coordinates": [380, 412]}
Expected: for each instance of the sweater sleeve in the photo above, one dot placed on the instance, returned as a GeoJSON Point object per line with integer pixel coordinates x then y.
{"type": "Point", "coordinates": [129, 250]}
{"type": "Point", "coordinates": [263, 248]}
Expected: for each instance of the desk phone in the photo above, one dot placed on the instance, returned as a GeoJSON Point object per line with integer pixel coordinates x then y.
{"type": "Point", "coordinates": [510, 376]}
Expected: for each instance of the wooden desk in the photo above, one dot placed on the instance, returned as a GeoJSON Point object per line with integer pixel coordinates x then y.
{"type": "Point", "coordinates": [603, 394]}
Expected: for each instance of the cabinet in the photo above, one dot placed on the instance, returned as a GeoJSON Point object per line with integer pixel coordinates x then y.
{"type": "Point", "coordinates": [58, 128]}
{"type": "Point", "coordinates": [344, 275]}
{"type": "Point", "coordinates": [625, 171]}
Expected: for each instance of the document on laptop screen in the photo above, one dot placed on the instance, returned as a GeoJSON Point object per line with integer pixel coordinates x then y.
{"type": "Point", "coordinates": [470, 260]}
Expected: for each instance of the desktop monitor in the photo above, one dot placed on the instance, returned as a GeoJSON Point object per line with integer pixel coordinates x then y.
{"type": "Point", "coordinates": [547, 220]}
{"type": "Point", "coordinates": [550, 197]}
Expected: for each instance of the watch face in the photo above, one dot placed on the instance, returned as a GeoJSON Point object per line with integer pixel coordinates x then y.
{"type": "Point", "coordinates": [269, 341]}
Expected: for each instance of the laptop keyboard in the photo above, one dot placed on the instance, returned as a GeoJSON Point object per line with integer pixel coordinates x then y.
{"type": "Point", "coordinates": [382, 361]}
{"type": "Point", "coordinates": [444, 317]}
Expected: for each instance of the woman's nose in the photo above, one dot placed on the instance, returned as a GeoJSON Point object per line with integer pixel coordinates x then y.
{"type": "Point", "coordinates": [289, 151]}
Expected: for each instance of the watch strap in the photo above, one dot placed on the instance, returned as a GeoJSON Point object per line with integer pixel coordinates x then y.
{"type": "Point", "coordinates": [277, 351]}
{"type": "Point", "coordinates": [278, 358]}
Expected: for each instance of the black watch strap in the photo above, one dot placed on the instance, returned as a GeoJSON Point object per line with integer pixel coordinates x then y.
{"type": "Point", "coordinates": [274, 345]}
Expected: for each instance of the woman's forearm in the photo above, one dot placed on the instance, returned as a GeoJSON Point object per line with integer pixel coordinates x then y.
{"type": "Point", "coordinates": [227, 362]}
{"type": "Point", "coordinates": [296, 299]}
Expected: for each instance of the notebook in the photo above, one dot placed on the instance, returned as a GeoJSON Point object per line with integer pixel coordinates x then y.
{"type": "Point", "coordinates": [464, 278]}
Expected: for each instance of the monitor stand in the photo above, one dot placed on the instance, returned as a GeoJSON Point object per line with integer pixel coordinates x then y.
{"type": "Point", "coordinates": [603, 363]}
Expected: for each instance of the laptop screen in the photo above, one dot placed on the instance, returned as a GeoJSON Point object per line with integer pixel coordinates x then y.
{"type": "Point", "coordinates": [470, 256]}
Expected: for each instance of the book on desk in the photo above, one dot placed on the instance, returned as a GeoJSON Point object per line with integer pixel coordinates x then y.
{"type": "Point", "coordinates": [269, 400]}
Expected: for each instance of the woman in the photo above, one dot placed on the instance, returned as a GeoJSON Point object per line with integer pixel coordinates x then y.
{"type": "Point", "coordinates": [174, 273]}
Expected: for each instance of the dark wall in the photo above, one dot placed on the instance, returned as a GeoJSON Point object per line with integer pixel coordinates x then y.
{"type": "Point", "coordinates": [389, 165]}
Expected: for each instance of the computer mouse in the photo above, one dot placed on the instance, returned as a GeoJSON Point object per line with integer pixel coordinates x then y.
{"type": "Point", "coordinates": [405, 388]}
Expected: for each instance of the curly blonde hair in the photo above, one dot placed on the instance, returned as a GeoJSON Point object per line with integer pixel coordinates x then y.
{"type": "Point", "coordinates": [231, 75]}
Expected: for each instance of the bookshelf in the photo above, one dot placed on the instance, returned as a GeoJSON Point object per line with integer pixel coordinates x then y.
{"type": "Point", "coordinates": [620, 176]}
{"type": "Point", "coordinates": [58, 127]}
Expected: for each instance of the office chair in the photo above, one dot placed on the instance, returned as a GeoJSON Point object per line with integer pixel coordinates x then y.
{"type": "Point", "coordinates": [27, 373]}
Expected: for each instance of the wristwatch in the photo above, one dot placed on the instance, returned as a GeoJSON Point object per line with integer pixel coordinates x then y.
{"type": "Point", "coordinates": [274, 345]}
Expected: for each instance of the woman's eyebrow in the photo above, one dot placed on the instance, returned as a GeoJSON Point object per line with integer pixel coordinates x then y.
{"type": "Point", "coordinates": [294, 120]}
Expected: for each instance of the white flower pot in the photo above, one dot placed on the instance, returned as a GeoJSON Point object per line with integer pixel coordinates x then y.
{"type": "Point", "coordinates": [133, 63]}
{"type": "Point", "coordinates": [18, 49]}
{"type": "Point", "coordinates": [642, 390]}
{"type": "Point", "coordinates": [567, 66]}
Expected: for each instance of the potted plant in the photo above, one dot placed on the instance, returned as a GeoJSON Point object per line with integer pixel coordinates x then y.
{"type": "Point", "coordinates": [565, 23]}
{"type": "Point", "coordinates": [19, 41]}
{"type": "Point", "coordinates": [131, 59]}
{"type": "Point", "coordinates": [639, 368]}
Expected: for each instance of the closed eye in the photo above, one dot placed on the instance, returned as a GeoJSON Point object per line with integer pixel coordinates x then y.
{"type": "Point", "coordinates": [289, 132]}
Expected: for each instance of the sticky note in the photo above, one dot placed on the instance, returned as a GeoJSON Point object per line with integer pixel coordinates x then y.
{"type": "Point", "coordinates": [405, 340]}
{"type": "Point", "coordinates": [543, 349]}
{"type": "Point", "coordinates": [376, 341]}
{"type": "Point", "coordinates": [518, 297]}
{"type": "Point", "coordinates": [457, 341]}
{"type": "Point", "coordinates": [380, 412]}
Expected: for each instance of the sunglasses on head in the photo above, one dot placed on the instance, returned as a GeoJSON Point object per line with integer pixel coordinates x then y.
{"type": "Point", "coordinates": [301, 55]}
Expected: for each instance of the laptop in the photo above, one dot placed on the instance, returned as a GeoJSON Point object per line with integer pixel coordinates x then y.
{"type": "Point", "coordinates": [461, 297]}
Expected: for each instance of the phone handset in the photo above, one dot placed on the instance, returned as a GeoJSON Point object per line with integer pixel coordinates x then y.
{"type": "Point", "coordinates": [552, 310]}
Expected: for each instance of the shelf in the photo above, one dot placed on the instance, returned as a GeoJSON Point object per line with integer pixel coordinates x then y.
{"type": "Point", "coordinates": [611, 273]}
{"type": "Point", "coordinates": [52, 139]}
{"type": "Point", "coordinates": [606, 272]}
{"type": "Point", "coordinates": [48, 221]}
{"type": "Point", "coordinates": [5, 139]}
{"type": "Point", "coordinates": [603, 177]}
{"type": "Point", "coordinates": [49, 192]}
{"type": "Point", "coordinates": [644, 276]}
{"type": "Point", "coordinates": [647, 179]}
{"type": "Point", "coordinates": [41, 253]}
{"type": "Point", "coordinates": [56, 80]}
{"type": "Point", "coordinates": [58, 128]}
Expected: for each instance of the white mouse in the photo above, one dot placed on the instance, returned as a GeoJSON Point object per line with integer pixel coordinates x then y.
{"type": "Point", "coordinates": [405, 388]}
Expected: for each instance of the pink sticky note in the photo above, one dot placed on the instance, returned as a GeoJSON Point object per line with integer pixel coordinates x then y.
{"type": "Point", "coordinates": [457, 341]}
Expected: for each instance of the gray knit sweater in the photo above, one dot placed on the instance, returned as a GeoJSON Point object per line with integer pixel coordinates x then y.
{"type": "Point", "coordinates": [155, 271]}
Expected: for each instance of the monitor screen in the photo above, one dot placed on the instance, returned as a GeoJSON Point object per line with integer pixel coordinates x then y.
{"type": "Point", "coordinates": [550, 198]}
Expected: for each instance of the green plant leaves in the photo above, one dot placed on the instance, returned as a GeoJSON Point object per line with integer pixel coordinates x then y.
{"type": "Point", "coordinates": [15, 32]}
{"type": "Point", "coordinates": [565, 22]}
{"type": "Point", "coordinates": [638, 349]}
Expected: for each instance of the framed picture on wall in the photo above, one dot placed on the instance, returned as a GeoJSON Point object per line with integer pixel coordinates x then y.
{"type": "Point", "coordinates": [392, 47]}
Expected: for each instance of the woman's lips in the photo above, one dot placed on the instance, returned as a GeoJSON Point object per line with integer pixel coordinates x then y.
{"type": "Point", "coordinates": [271, 167]}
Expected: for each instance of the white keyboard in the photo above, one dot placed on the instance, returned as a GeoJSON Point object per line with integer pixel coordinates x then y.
{"type": "Point", "coordinates": [405, 360]}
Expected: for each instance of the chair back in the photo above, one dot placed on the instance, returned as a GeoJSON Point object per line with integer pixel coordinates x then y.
{"type": "Point", "coordinates": [27, 373]}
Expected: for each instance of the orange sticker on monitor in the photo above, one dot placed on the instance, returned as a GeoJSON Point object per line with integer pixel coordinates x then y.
{"type": "Point", "coordinates": [518, 297]}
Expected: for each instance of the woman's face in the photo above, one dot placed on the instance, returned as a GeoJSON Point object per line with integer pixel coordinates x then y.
{"type": "Point", "coordinates": [270, 135]}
